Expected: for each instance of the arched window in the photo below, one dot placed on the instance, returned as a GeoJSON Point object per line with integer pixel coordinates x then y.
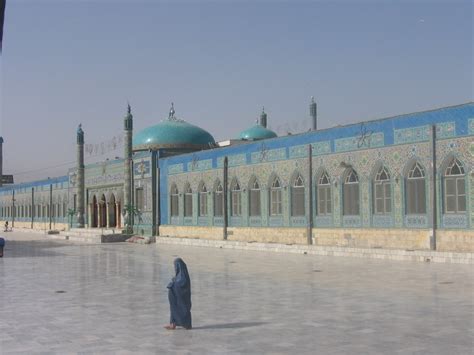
{"type": "Point", "coordinates": [236, 200]}
{"type": "Point", "coordinates": [297, 197]}
{"type": "Point", "coordinates": [202, 201]}
{"type": "Point", "coordinates": [174, 201]}
{"type": "Point", "coordinates": [219, 200]}
{"type": "Point", "coordinates": [324, 195]}
{"type": "Point", "coordinates": [416, 190]}
{"type": "Point", "coordinates": [188, 201]}
{"type": "Point", "coordinates": [382, 192]}
{"type": "Point", "coordinates": [455, 188]}
{"type": "Point", "coordinates": [254, 202]}
{"type": "Point", "coordinates": [351, 194]}
{"type": "Point", "coordinates": [276, 208]}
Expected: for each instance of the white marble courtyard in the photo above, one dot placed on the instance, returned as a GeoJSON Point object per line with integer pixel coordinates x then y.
{"type": "Point", "coordinates": [59, 297]}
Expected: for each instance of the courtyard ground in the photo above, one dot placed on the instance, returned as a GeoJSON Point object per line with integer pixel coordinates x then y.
{"type": "Point", "coordinates": [59, 297]}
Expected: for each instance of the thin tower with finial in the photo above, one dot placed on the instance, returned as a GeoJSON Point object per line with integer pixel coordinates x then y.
{"type": "Point", "coordinates": [314, 114]}
{"type": "Point", "coordinates": [128, 133]}
{"type": "Point", "coordinates": [263, 118]}
{"type": "Point", "coordinates": [80, 177]}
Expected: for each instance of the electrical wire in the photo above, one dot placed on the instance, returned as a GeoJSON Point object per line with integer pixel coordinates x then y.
{"type": "Point", "coordinates": [45, 168]}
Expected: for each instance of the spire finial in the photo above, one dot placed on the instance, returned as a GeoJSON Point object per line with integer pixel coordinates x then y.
{"type": "Point", "coordinates": [172, 112]}
{"type": "Point", "coordinates": [129, 109]}
{"type": "Point", "coordinates": [312, 99]}
{"type": "Point", "coordinates": [263, 118]}
{"type": "Point", "coordinates": [80, 134]}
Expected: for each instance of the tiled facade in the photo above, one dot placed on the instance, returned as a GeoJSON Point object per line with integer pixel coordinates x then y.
{"type": "Point", "coordinates": [395, 144]}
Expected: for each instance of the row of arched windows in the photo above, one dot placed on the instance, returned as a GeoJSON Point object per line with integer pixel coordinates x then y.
{"type": "Point", "coordinates": [454, 192]}
{"type": "Point", "coordinates": [58, 210]}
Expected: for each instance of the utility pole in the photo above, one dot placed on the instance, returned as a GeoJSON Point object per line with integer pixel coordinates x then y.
{"type": "Point", "coordinates": [226, 219]}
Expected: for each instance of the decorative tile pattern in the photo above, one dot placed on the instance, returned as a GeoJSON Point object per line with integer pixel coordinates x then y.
{"type": "Point", "coordinates": [275, 221]}
{"type": "Point", "coordinates": [319, 148]}
{"type": "Point", "coordinates": [233, 160]}
{"type": "Point", "coordinates": [471, 126]}
{"type": "Point", "coordinates": [454, 221]}
{"type": "Point", "coordinates": [416, 221]}
{"type": "Point", "coordinates": [322, 221]}
{"type": "Point", "coordinates": [255, 221]}
{"type": "Point", "coordinates": [382, 221]}
{"type": "Point", "coordinates": [265, 155]}
{"type": "Point", "coordinates": [397, 201]}
{"type": "Point", "coordinates": [412, 135]}
{"type": "Point", "coordinates": [142, 168]}
{"type": "Point", "coordinates": [352, 221]}
{"type": "Point", "coordinates": [105, 180]}
{"type": "Point", "coordinates": [218, 221]}
{"type": "Point", "coordinates": [445, 130]}
{"type": "Point", "coordinates": [299, 221]}
{"type": "Point", "coordinates": [365, 199]}
{"type": "Point", "coordinates": [200, 165]}
{"type": "Point", "coordinates": [235, 221]}
{"type": "Point", "coordinates": [175, 169]}
{"type": "Point", "coordinates": [371, 140]}
{"type": "Point", "coordinates": [203, 221]}
{"type": "Point", "coordinates": [471, 194]}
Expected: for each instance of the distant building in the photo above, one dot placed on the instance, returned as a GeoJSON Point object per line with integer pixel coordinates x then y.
{"type": "Point", "coordinates": [400, 182]}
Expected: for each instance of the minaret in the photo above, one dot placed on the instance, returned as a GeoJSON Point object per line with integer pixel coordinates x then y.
{"type": "Point", "coordinates": [263, 118]}
{"type": "Point", "coordinates": [314, 114]}
{"type": "Point", "coordinates": [128, 130]}
{"type": "Point", "coordinates": [80, 177]}
{"type": "Point", "coordinates": [1, 161]}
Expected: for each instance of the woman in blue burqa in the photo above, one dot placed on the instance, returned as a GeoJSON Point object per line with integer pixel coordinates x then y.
{"type": "Point", "coordinates": [179, 295]}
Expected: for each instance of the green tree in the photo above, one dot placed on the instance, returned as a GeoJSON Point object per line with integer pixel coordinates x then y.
{"type": "Point", "coordinates": [131, 211]}
{"type": "Point", "coordinates": [71, 212]}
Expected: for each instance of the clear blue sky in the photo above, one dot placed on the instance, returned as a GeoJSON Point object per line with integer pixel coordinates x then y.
{"type": "Point", "coordinates": [67, 62]}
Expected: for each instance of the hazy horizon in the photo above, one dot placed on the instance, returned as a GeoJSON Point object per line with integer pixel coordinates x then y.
{"type": "Point", "coordinates": [67, 63]}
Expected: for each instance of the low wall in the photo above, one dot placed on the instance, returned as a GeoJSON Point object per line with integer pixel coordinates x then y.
{"type": "Point", "coordinates": [44, 226]}
{"type": "Point", "coordinates": [417, 239]}
{"type": "Point", "coordinates": [268, 235]}
{"type": "Point", "coordinates": [455, 240]}
{"type": "Point", "coordinates": [247, 234]}
{"type": "Point", "coordinates": [210, 233]}
{"type": "Point", "coordinates": [405, 239]}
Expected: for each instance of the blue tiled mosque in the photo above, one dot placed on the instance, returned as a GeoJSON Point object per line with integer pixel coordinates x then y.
{"type": "Point", "coordinates": [404, 182]}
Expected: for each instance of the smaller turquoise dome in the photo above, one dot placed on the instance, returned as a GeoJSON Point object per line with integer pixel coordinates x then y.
{"type": "Point", "coordinates": [257, 132]}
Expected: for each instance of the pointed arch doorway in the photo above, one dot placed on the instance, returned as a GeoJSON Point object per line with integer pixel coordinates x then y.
{"type": "Point", "coordinates": [102, 212]}
{"type": "Point", "coordinates": [94, 212]}
{"type": "Point", "coordinates": [112, 211]}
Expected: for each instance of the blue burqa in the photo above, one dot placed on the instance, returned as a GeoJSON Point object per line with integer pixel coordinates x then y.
{"type": "Point", "coordinates": [179, 295]}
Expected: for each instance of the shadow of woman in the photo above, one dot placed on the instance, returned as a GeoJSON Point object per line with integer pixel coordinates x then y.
{"type": "Point", "coordinates": [230, 325]}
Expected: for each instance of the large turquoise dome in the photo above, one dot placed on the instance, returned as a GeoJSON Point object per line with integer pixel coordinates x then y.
{"type": "Point", "coordinates": [172, 134]}
{"type": "Point", "coordinates": [257, 132]}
